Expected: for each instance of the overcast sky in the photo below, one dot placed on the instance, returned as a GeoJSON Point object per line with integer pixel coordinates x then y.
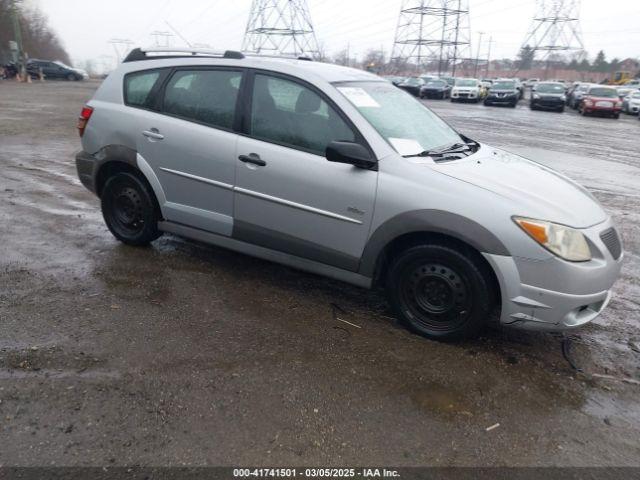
{"type": "Point", "coordinates": [86, 26]}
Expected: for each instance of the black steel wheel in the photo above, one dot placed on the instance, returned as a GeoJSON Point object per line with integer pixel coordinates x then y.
{"type": "Point", "coordinates": [129, 210]}
{"type": "Point", "coordinates": [440, 292]}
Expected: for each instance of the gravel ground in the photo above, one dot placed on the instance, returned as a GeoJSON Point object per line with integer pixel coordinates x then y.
{"type": "Point", "coordinates": [185, 354]}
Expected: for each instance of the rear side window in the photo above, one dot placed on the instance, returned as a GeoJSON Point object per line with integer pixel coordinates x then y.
{"type": "Point", "coordinates": [138, 87]}
{"type": "Point", "coordinates": [204, 96]}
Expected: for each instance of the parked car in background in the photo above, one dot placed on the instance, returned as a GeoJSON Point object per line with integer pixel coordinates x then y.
{"type": "Point", "coordinates": [395, 80]}
{"type": "Point", "coordinates": [55, 70]}
{"type": "Point", "coordinates": [503, 92]}
{"type": "Point", "coordinates": [575, 95]}
{"type": "Point", "coordinates": [531, 82]}
{"type": "Point", "coordinates": [486, 83]}
{"type": "Point", "coordinates": [631, 103]}
{"type": "Point", "coordinates": [436, 89]}
{"type": "Point", "coordinates": [548, 96]}
{"type": "Point", "coordinates": [334, 171]}
{"type": "Point", "coordinates": [467, 89]}
{"type": "Point", "coordinates": [624, 91]}
{"type": "Point", "coordinates": [601, 100]}
{"type": "Point", "coordinates": [450, 80]}
{"type": "Point", "coordinates": [413, 85]}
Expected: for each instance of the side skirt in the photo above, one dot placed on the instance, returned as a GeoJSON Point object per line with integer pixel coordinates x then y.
{"type": "Point", "coordinates": [267, 254]}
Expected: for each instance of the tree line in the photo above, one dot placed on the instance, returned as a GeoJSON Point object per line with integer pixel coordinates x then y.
{"type": "Point", "coordinates": [38, 39]}
{"type": "Point", "coordinates": [526, 61]}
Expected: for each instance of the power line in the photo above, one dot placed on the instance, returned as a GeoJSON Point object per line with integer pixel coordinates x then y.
{"type": "Point", "coordinates": [432, 34]}
{"type": "Point", "coordinates": [280, 27]}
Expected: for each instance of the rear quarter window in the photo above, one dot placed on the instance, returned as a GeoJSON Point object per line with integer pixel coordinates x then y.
{"type": "Point", "coordinates": [138, 87]}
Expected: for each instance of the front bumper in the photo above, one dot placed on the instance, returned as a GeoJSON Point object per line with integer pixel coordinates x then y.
{"type": "Point", "coordinates": [555, 295]}
{"type": "Point", "coordinates": [550, 103]}
{"type": "Point", "coordinates": [506, 99]}
{"type": "Point", "coordinates": [465, 95]}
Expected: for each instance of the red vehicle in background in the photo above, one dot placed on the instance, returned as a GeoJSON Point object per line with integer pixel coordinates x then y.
{"type": "Point", "coordinates": [601, 100]}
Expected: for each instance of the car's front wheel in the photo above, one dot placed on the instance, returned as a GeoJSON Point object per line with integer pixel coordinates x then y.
{"type": "Point", "coordinates": [129, 210]}
{"type": "Point", "coordinates": [440, 292]}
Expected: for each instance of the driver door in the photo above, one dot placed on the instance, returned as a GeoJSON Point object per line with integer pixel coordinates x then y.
{"type": "Point", "coordinates": [288, 197]}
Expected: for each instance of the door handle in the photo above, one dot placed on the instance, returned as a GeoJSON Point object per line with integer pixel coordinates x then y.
{"type": "Point", "coordinates": [153, 134]}
{"type": "Point", "coordinates": [253, 159]}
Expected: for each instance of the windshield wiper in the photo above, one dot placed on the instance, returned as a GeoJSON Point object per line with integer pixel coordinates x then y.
{"type": "Point", "coordinates": [447, 151]}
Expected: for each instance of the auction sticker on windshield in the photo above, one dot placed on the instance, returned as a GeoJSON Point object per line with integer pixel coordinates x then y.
{"type": "Point", "coordinates": [359, 97]}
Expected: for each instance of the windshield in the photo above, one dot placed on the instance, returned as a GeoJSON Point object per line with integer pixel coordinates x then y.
{"type": "Point", "coordinates": [550, 88]}
{"type": "Point", "coordinates": [413, 81]}
{"type": "Point", "coordinates": [463, 82]}
{"type": "Point", "coordinates": [603, 92]}
{"type": "Point", "coordinates": [404, 122]}
{"type": "Point", "coordinates": [436, 84]}
{"type": "Point", "coordinates": [504, 86]}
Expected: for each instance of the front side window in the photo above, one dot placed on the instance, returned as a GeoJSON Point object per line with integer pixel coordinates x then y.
{"type": "Point", "coordinates": [138, 86]}
{"type": "Point", "coordinates": [403, 121]}
{"type": "Point", "coordinates": [289, 113]}
{"type": "Point", "coordinates": [205, 96]}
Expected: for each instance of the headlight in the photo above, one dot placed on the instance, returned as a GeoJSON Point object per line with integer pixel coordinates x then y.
{"type": "Point", "coordinates": [536, 96]}
{"type": "Point", "coordinates": [565, 242]}
{"type": "Point", "coordinates": [563, 98]}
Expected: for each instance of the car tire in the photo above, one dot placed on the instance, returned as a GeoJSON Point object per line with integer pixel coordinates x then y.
{"type": "Point", "coordinates": [616, 116]}
{"type": "Point", "coordinates": [130, 210]}
{"type": "Point", "coordinates": [532, 106]}
{"type": "Point", "coordinates": [486, 104]}
{"type": "Point", "coordinates": [514, 105]}
{"type": "Point", "coordinates": [71, 77]}
{"type": "Point", "coordinates": [561, 110]}
{"type": "Point", "coordinates": [440, 292]}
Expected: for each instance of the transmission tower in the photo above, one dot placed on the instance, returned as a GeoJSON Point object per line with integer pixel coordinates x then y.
{"type": "Point", "coordinates": [555, 28]}
{"type": "Point", "coordinates": [281, 27]}
{"type": "Point", "coordinates": [432, 34]}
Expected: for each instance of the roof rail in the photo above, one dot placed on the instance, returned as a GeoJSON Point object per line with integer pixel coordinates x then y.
{"type": "Point", "coordinates": [140, 54]}
{"type": "Point", "coordinates": [284, 56]}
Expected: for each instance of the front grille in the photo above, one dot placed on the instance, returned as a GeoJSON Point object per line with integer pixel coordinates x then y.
{"type": "Point", "coordinates": [611, 239]}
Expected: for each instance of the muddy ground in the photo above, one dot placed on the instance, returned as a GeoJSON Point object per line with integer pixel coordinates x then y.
{"type": "Point", "coordinates": [185, 354]}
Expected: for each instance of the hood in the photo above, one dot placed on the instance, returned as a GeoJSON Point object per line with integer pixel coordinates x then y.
{"type": "Point", "coordinates": [510, 90]}
{"type": "Point", "coordinates": [536, 191]}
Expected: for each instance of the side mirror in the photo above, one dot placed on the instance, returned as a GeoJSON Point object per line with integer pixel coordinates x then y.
{"type": "Point", "coordinates": [350, 153]}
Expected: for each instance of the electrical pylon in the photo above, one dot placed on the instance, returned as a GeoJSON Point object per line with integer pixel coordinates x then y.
{"type": "Point", "coordinates": [280, 27]}
{"type": "Point", "coordinates": [555, 28]}
{"type": "Point", "coordinates": [432, 34]}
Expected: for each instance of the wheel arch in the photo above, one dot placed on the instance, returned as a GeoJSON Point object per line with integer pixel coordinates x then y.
{"type": "Point", "coordinates": [428, 226]}
{"type": "Point", "coordinates": [116, 159]}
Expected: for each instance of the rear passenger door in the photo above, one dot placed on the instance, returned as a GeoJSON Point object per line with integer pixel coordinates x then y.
{"type": "Point", "coordinates": [289, 197]}
{"type": "Point", "coordinates": [190, 143]}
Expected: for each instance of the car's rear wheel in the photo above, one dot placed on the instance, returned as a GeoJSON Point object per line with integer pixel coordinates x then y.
{"type": "Point", "coordinates": [129, 210]}
{"type": "Point", "coordinates": [440, 292]}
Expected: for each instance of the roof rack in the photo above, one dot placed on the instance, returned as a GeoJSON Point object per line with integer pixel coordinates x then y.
{"type": "Point", "coordinates": [140, 54]}
{"type": "Point", "coordinates": [285, 56]}
{"type": "Point", "coordinates": [161, 53]}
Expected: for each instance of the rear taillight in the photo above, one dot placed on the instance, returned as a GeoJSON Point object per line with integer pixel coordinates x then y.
{"type": "Point", "coordinates": [85, 115]}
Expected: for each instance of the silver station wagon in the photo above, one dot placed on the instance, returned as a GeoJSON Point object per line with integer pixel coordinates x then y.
{"type": "Point", "coordinates": [336, 171]}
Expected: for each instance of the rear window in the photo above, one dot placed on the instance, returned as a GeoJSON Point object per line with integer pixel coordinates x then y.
{"type": "Point", "coordinates": [138, 87]}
